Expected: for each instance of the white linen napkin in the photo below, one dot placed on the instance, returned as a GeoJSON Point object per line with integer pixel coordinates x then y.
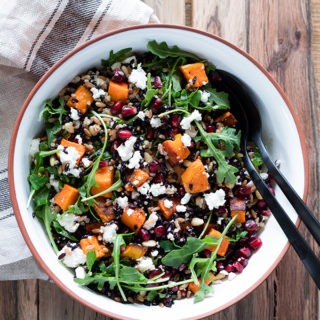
{"type": "Point", "coordinates": [34, 35]}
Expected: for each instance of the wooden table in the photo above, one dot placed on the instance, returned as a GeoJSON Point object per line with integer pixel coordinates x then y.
{"type": "Point", "coordinates": [284, 36]}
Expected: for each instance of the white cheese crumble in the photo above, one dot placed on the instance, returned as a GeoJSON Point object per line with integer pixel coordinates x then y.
{"type": "Point", "coordinates": [151, 221]}
{"type": "Point", "coordinates": [192, 132]}
{"type": "Point", "coordinates": [80, 273]}
{"type": "Point", "coordinates": [170, 237]}
{"type": "Point", "coordinates": [97, 93]}
{"type": "Point", "coordinates": [34, 146]}
{"type": "Point", "coordinates": [264, 175]}
{"type": "Point", "coordinates": [186, 140]}
{"type": "Point", "coordinates": [125, 150]}
{"type": "Point", "coordinates": [130, 212]}
{"type": "Point", "coordinates": [134, 162]}
{"type": "Point", "coordinates": [69, 221]}
{"type": "Point", "coordinates": [78, 138]}
{"type": "Point", "coordinates": [168, 203]}
{"type": "Point", "coordinates": [86, 162]}
{"type": "Point", "coordinates": [154, 253]}
{"type": "Point", "coordinates": [141, 115]}
{"type": "Point", "coordinates": [69, 155]}
{"type": "Point", "coordinates": [122, 202]}
{"type": "Point", "coordinates": [157, 189]}
{"type": "Point", "coordinates": [74, 115]}
{"type": "Point", "coordinates": [181, 208]}
{"type": "Point", "coordinates": [138, 77]}
{"type": "Point", "coordinates": [109, 233]}
{"type": "Point", "coordinates": [204, 96]}
{"type": "Point", "coordinates": [145, 264]}
{"type": "Point", "coordinates": [72, 258]}
{"type": "Point", "coordinates": [186, 198]}
{"type": "Point", "coordinates": [144, 189]}
{"type": "Point", "coordinates": [215, 199]}
{"type": "Point", "coordinates": [155, 122]}
{"type": "Point", "coordinates": [54, 183]}
{"type": "Point", "coordinates": [186, 121]}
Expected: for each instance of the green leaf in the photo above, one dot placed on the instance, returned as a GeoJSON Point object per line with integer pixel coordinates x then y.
{"type": "Point", "coordinates": [163, 51]}
{"type": "Point", "coordinates": [219, 98]}
{"type": "Point", "coordinates": [131, 275]}
{"type": "Point", "coordinates": [257, 158]}
{"type": "Point", "coordinates": [37, 182]}
{"type": "Point", "coordinates": [62, 231]}
{"type": "Point", "coordinates": [91, 259]}
{"type": "Point", "coordinates": [150, 92]}
{"type": "Point", "coordinates": [114, 57]}
{"type": "Point", "coordinates": [166, 245]}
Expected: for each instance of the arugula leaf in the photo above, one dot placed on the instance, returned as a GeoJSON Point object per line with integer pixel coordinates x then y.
{"type": "Point", "coordinates": [130, 275]}
{"type": "Point", "coordinates": [150, 92]}
{"type": "Point", "coordinates": [257, 158]}
{"type": "Point", "coordinates": [116, 57]}
{"type": "Point", "coordinates": [91, 259]}
{"type": "Point", "coordinates": [37, 182]}
{"type": "Point", "coordinates": [59, 229]}
{"type": "Point", "coordinates": [163, 51]}
{"type": "Point", "coordinates": [219, 98]}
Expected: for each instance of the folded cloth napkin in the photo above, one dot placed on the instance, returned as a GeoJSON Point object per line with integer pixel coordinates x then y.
{"type": "Point", "coordinates": [34, 35]}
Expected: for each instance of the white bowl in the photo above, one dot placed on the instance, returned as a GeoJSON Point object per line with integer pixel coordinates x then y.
{"type": "Point", "coordinates": [280, 130]}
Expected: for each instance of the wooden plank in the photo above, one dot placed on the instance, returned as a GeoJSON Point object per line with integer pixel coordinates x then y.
{"type": "Point", "coordinates": [168, 11]}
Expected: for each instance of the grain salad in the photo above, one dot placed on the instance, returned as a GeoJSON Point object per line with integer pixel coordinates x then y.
{"type": "Point", "coordinates": [139, 179]}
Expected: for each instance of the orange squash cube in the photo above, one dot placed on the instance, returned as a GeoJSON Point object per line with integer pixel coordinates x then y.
{"type": "Point", "coordinates": [175, 149]}
{"type": "Point", "coordinates": [137, 179]}
{"type": "Point", "coordinates": [238, 206]}
{"type": "Point", "coordinates": [134, 251]}
{"type": "Point", "coordinates": [104, 212]}
{"type": "Point", "coordinates": [81, 99]}
{"type": "Point", "coordinates": [92, 244]}
{"type": "Point", "coordinates": [66, 197]}
{"type": "Point", "coordinates": [194, 178]}
{"type": "Point", "coordinates": [195, 74]}
{"type": "Point", "coordinates": [118, 91]}
{"type": "Point", "coordinates": [224, 244]}
{"type": "Point", "coordinates": [133, 218]}
{"type": "Point", "coordinates": [227, 118]}
{"type": "Point", "coordinates": [104, 180]}
{"type": "Point", "coordinates": [196, 287]}
{"type": "Point", "coordinates": [167, 212]}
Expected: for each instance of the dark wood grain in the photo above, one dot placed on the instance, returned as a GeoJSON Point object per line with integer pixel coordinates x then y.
{"type": "Point", "coordinates": [284, 36]}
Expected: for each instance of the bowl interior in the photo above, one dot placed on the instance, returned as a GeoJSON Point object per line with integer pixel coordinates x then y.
{"type": "Point", "coordinates": [280, 134]}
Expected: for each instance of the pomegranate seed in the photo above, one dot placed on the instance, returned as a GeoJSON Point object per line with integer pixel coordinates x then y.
{"type": "Point", "coordinates": [154, 167]}
{"type": "Point", "coordinates": [229, 268]}
{"type": "Point", "coordinates": [149, 134]}
{"type": "Point", "coordinates": [154, 273]}
{"type": "Point", "coordinates": [192, 145]}
{"type": "Point", "coordinates": [159, 178]}
{"type": "Point", "coordinates": [115, 145]}
{"type": "Point", "coordinates": [243, 261]}
{"type": "Point", "coordinates": [251, 226]}
{"type": "Point", "coordinates": [207, 253]}
{"type": "Point", "coordinates": [261, 204]}
{"type": "Point", "coordinates": [266, 212]}
{"type": "Point", "coordinates": [103, 164]}
{"type": "Point", "coordinates": [220, 265]}
{"type": "Point", "coordinates": [255, 243]}
{"type": "Point", "coordinates": [175, 120]}
{"type": "Point", "coordinates": [244, 252]}
{"type": "Point", "coordinates": [245, 191]}
{"type": "Point", "coordinates": [211, 128]}
{"type": "Point", "coordinates": [116, 107]}
{"type": "Point", "coordinates": [238, 266]}
{"type": "Point", "coordinates": [124, 134]}
{"type": "Point", "coordinates": [156, 105]}
{"type": "Point", "coordinates": [173, 132]}
{"type": "Point", "coordinates": [144, 234]}
{"type": "Point", "coordinates": [159, 231]}
{"type": "Point", "coordinates": [118, 75]}
{"type": "Point", "coordinates": [128, 111]}
{"type": "Point", "coordinates": [157, 82]}
{"type": "Point", "coordinates": [181, 191]}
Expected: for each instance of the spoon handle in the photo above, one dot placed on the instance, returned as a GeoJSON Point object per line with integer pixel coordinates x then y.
{"type": "Point", "coordinates": [307, 256]}
{"type": "Point", "coordinates": [303, 211]}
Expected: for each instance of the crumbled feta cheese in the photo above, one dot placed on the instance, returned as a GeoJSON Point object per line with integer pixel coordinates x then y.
{"type": "Point", "coordinates": [219, 220]}
{"type": "Point", "coordinates": [80, 273]}
{"type": "Point", "coordinates": [144, 189]}
{"type": "Point", "coordinates": [69, 155]}
{"type": "Point", "coordinates": [157, 189]}
{"type": "Point", "coordinates": [34, 146]}
{"type": "Point", "coordinates": [130, 212]}
{"type": "Point", "coordinates": [74, 115]}
{"type": "Point", "coordinates": [134, 162]}
{"type": "Point", "coordinates": [215, 199]}
{"type": "Point", "coordinates": [192, 132]}
{"type": "Point", "coordinates": [186, 198]}
{"type": "Point", "coordinates": [264, 175]}
{"type": "Point", "coordinates": [186, 140]}
{"type": "Point", "coordinates": [72, 258]}
{"type": "Point", "coordinates": [151, 221]}
{"type": "Point", "coordinates": [145, 264]}
{"type": "Point", "coordinates": [181, 208]}
{"type": "Point", "coordinates": [122, 202]}
{"type": "Point", "coordinates": [155, 122]}
{"type": "Point", "coordinates": [204, 96]}
{"type": "Point", "coordinates": [78, 138]}
{"type": "Point", "coordinates": [109, 233]}
{"type": "Point", "coordinates": [86, 162]}
{"type": "Point", "coordinates": [168, 203]}
{"type": "Point", "coordinates": [141, 115]}
{"type": "Point", "coordinates": [54, 183]}
{"type": "Point", "coordinates": [154, 253]}
{"type": "Point", "coordinates": [97, 93]}
{"type": "Point", "coordinates": [69, 221]}
{"type": "Point", "coordinates": [125, 150]}
{"type": "Point", "coordinates": [186, 121]}
{"type": "Point", "coordinates": [170, 237]}
{"type": "Point", "coordinates": [138, 77]}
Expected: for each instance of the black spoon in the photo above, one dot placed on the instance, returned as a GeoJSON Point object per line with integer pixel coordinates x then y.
{"type": "Point", "coordinates": [248, 114]}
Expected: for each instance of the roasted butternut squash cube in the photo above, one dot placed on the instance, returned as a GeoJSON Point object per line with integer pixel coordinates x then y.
{"type": "Point", "coordinates": [166, 210]}
{"type": "Point", "coordinates": [134, 251]}
{"type": "Point", "coordinates": [238, 206]}
{"type": "Point", "coordinates": [137, 179]}
{"type": "Point", "coordinates": [104, 180]}
{"type": "Point", "coordinates": [196, 287]}
{"type": "Point", "coordinates": [118, 91]}
{"type": "Point", "coordinates": [79, 148]}
{"type": "Point", "coordinates": [224, 244]}
{"type": "Point", "coordinates": [66, 197]}
{"type": "Point", "coordinates": [227, 118]}
{"type": "Point", "coordinates": [92, 244]}
{"type": "Point", "coordinates": [133, 218]}
{"type": "Point", "coordinates": [175, 149]}
{"type": "Point", "coordinates": [195, 74]}
{"type": "Point", "coordinates": [81, 99]}
{"type": "Point", "coordinates": [194, 178]}
{"type": "Point", "coordinates": [105, 213]}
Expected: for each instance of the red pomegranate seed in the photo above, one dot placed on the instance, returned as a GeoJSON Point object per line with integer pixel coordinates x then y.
{"type": "Point", "coordinates": [159, 231]}
{"type": "Point", "coordinates": [103, 164]}
{"type": "Point", "coordinates": [261, 204]}
{"type": "Point", "coordinates": [128, 111]}
{"type": "Point", "coordinates": [175, 120]}
{"type": "Point", "coordinates": [173, 132]}
{"type": "Point", "coordinates": [154, 273]}
{"type": "Point", "coordinates": [124, 134]}
{"type": "Point", "coordinates": [244, 252]}
{"type": "Point", "coordinates": [156, 105]}
{"type": "Point", "coordinates": [251, 226]}
{"type": "Point", "coordinates": [266, 212]}
{"type": "Point", "coordinates": [157, 82]}
{"type": "Point", "coordinates": [243, 261]}
{"type": "Point", "coordinates": [116, 107]}
{"type": "Point", "coordinates": [229, 268]}
{"type": "Point", "coordinates": [255, 243]}
{"type": "Point", "coordinates": [144, 234]}
{"type": "Point", "coordinates": [181, 191]}
{"type": "Point", "coordinates": [154, 167]}
{"type": "Point", "coordinates": [238, 266]}
{"type": "Point", "coordinates": [220, 265]}
{"type": "Point", "coordinates": [159, 178]}
{"type": "Point", "coordinates": [115, 145]}
{"type": "Point", "coordinates": [118, 75]}
{"type": "Point", "coordinates": [211, 128]}
{"type": "Point", "coordinates": [149, 134]}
